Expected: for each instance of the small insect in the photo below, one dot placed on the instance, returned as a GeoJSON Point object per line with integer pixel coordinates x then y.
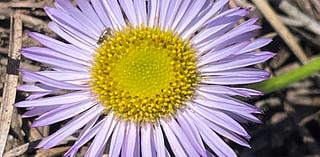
{"type": "Point", "coordinates": [105, 35]}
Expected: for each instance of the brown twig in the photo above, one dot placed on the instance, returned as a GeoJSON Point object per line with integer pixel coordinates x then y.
{"type": "Point", "coordinates": [22, 5]}
{"type": "Point", "coordinates": [11, 81]}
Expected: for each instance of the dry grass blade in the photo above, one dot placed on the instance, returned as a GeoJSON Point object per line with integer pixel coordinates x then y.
{"type": "Point", "coordinates": [11, 80]}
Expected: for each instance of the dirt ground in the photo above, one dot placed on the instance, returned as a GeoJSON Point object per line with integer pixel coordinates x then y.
{"type": "Point", "coordinates": [291, 119]}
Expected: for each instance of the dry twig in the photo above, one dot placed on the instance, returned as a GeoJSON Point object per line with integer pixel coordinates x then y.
{"type": "Point", "coordinates": [18, 151]}
{"type": "Point", "coordinates": [9, 92]}
{"type": "Point", "coordinates": [33, 21]}
{"type": "Point", "coordinates": [4, 62]}
{"type": "Point", "coordinates": [303, 19]}
{"type": "Point", "coordinates": [23, 4]}
{"type": "Point", "coordinates": [58, 151]}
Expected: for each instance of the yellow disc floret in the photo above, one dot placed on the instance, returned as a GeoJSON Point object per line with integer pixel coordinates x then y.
{"type": "Point", "coordinates": [143, 74]}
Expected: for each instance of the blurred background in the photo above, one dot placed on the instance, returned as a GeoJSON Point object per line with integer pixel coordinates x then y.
{"type": "Point", "coordinates": [291, 122]}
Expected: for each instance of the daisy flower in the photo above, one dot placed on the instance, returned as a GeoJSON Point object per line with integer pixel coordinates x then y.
{"type": "Point", "coordinates": [145, 77]}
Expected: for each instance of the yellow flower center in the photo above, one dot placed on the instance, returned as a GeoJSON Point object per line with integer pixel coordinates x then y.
{"type": "Point", "coordinates": [143, 74]}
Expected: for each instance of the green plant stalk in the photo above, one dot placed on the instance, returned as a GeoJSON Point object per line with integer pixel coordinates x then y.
{"type": "Point", "coordinates": [284, 80]}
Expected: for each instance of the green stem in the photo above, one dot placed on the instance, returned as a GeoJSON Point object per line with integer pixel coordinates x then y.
{"type": "Point", "coordinates": [288, 78]}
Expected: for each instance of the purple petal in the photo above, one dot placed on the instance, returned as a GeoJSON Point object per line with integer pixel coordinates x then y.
{"type": "Point", "coordinates": [65, 75]}
{"type": "Point", "coordinates": [256, 44]}
{"type": "Point", "coordinates": [146, 148]}
{"type": "Point", "coordinates": [159, 141]}
{"type": "Point", "coordinates": [231, 106]}
{"type": "Point", "coordinates": [69, 129]}
{"type": "Point", "coordinates": [37, 95]}
{"type": "Point", "coordinates": [130, 140]}
{"type": "Point", "coordinates": [192, 133]}
{"type": "Point", "coordinates": [77, 15]}
{"type": "Point", "coordinates": [225, 103]}
{"type": "Point", "coordinates": [216, 55]}
{"type": "Point", "coordinates": [212, 139]}
{"type": "Point", "coordinates": [101, 12]}
{"type": "Point", "coordinates": [237, 62]}
{"type": "Point", "coordinates": [99, 143]}
{"type": "Point", "coordinates": [180, 14]}
{"type": "Point", "coordinates": [56, 100]}
{"type": "Point", "coordinates": [53, 60]}
{"type": "Point", "coordinates": [63, 48]}
{"type": "Point", "coordinates": [233, 80]}
{"type": "Point", "coordinates": [73, 26]}
{"type": "Point", "coordinates": [129, 11]}
{"type": "Point", "coordinates": [51, 82]}
{"type": "Point", "coordinates": [114, 12]}
{"type": "Point", "coordinates": [164, 6]}
{"type": "Point", "coordinates": [141, 11]}
{"type": "Point", "coordinates": [221, 119]}
{"type": "Point", "coordinates": [172, 12]}
{"type": "Point", "coordinates": [137, 150]}
{"type": "Point", "coordinates": [188, 147]}
{"type": "Point", "coordinates": [173, 141]}
{"type": "Point", "coordinates": [201, 20]}
{"type": "Point", "coordinates": [226, 133]}
{"type": "Point", "coordinates": [232, 91]}
{"type": "Point", "coordinates": [117, 139]}
{"type": "Point", "coordinates": [62, 113]}
{"type": "Point", "coordinates": [153, 10]}
{"type": "Point", "coordinates": [219, 25]}
{"type": "Point", "coordinates": [229, 100]}
{"type": "Point", "coordinates": [235, 76]}
{"type": "Point", "coordinates": [45, 52]}
{"type": "Point", "coordinates": [89, 12]}
{"type": "Point", "coordinates": [73, 151]}
{"type": "Point", "coordinates": [36, 111]}
{"type": "Point", "coordinates": [86, 134]}
{"type": "Point", "coordinates": [229, 36]}
{"type": "Point", "coordinates": [246, 91]}
{"type": "Point", "coordinates": [35, 88]}
{"type": "Point", "coordinates": [241, 72]}
{"type": "Point", "coordinates": [71, 37]}
{"type": "Point", "coordinates": [244, 118]}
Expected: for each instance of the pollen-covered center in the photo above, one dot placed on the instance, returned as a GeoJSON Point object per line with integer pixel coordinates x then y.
{"type": "Point", "coordinates": [144, 71]}
{"type": "Point", "coordinates": [143, 74]}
